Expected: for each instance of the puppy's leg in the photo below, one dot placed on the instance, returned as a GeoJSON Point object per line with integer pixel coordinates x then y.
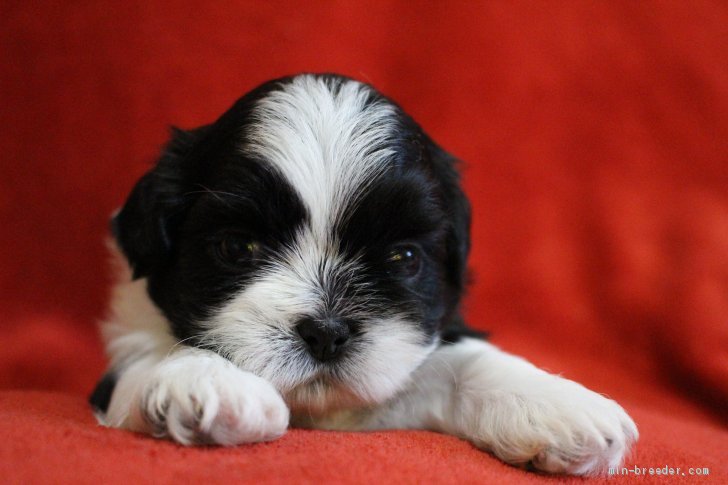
{"type": "Point", "coordinates": [504, 404]}
{"type": "Point", "coordinates": [195, 396]}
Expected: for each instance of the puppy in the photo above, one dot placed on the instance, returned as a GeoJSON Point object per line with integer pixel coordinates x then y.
{"type": "Point", "coordinates": [301, 261]}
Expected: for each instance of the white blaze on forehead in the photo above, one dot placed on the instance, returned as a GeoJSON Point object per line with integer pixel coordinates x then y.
{"type": "Point", "coordinates": [321, 135]}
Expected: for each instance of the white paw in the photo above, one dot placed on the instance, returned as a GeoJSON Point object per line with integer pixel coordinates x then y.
{"type": "Point", "coordinates": [204, 399]}
{"type": "Point", "coordinates": [558, 426]}
{"type": "Point", "coordinates": [581, 433]}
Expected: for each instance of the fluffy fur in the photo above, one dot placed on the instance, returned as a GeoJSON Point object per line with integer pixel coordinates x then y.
{"type": "Point", "coordinates": [302, 258]}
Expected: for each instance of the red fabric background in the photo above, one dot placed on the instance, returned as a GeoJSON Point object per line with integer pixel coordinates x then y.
{"type": "Point", "coordinates": [596, 142]}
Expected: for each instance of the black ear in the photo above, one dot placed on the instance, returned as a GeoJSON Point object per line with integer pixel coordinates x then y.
{"type": "Point", "coordinates": [458, 207]}
{"type": "Point", "coordinates": [145, 226]}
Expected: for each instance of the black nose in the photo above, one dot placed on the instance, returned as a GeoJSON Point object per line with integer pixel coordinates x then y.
{"type": "Point", "coordinates": [325, 338]}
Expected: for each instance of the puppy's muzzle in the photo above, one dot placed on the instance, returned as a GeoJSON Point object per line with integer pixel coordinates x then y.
{"type": "Point", "coordinates": [326, 338]}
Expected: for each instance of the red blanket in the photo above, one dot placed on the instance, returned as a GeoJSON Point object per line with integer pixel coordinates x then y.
{"type": "Point", "coordinates": [596, 142]}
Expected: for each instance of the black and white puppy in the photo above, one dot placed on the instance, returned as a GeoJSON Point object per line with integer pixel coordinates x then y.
{"type": "Point", "coordinates": [302, 259]}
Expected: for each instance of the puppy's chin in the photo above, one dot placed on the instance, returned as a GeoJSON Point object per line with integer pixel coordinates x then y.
{"type": "Point", "coordinates": [364, 382]}
{"type": "Point", "coordinates": [322, 396]}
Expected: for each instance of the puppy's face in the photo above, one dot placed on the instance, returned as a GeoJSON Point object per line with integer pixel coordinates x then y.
{"type": "Point", "coordinates": [313, 235]}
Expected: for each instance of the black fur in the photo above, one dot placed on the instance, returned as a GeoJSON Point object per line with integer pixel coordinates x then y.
{"type": "Point", "coordinates": [101, 395]}
{"type": "Point", "coordinates": [204, 191]}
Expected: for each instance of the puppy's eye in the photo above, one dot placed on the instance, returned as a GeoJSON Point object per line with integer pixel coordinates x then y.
{"type": "Point", "coordinates": [404, 261]}
{"type": "Point", "coordinates": [237, 250]}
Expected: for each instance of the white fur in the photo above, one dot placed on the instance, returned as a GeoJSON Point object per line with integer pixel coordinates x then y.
{"type": "Point", "coordinates": [503, 404]}
{"type": "Point", "coordinates": [136, 327]}
{"type": "Point", "coordinates": [196, 396]}
{"type": "Point", "coordinates": [322, 138]}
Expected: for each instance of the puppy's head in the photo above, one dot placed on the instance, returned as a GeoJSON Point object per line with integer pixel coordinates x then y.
{"type": "Point", "coordinates": [313, 235]}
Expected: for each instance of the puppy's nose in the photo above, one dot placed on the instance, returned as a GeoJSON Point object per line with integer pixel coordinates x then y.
{"type": "Point", "coordinates": [325, 338]}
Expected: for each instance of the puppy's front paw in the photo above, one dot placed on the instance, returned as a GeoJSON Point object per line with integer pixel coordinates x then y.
{"type": "Point", "coordinates": [559, 426]}
{"type": "Point", "coordinates": [581, 433]}
{"type": "Point", "coordinates": [206, 400]}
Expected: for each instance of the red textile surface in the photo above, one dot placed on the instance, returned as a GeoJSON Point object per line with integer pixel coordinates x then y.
{"type": "Point", "coordinates": [596, 141]}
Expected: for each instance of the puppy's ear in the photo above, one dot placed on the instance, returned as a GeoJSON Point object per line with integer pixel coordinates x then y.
{"type": "Point", "coordinates": [145, 226]}
{"type": "Point", "coordinates": [458, 207]}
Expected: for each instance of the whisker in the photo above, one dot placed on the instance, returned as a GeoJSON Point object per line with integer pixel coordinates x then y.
{"type": "Point", "coordinates": [216, 193]}
{"type": "Point", "coordinates": [177, 344]}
